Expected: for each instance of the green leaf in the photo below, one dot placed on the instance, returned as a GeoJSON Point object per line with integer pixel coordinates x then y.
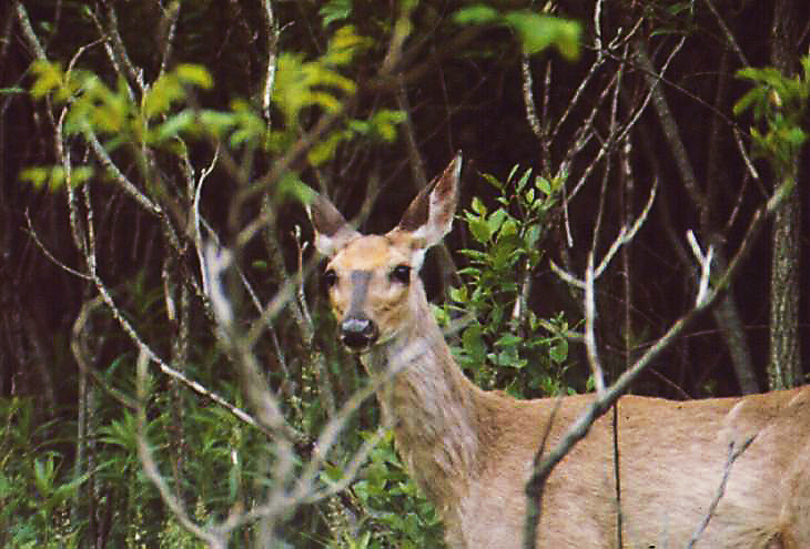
{"type": "Point", "coordinates": [508, 340]}
{"type": "Point", "coordinates": [160, 96]}
{"type": "Point", "coordinates": [496, 219]}
{"type": "Point", "coordinates": [477, 15]}
{"type": "Point", "coordinates": [194, 74]}
{"type": "Point", "coordinates": [44, 475]}
{"type": "Point", "coordinates": [480, 230]}
{"type": "Point", "coordinates": [795, 137]}
{"type": "Point", "coordinates": [173, 126]}
{"type": "Point", "coordinates": [473, 343]}
{"type": "Point", "coordinates": [544, 185]}
{"type": "Point", "coordinates": [751, 97]}
{"type": "Point", "coordinates": [538, 32]}
{"type": "Point", "coordinates": [36, 175]}
{"type": "Point", "coordinates": [384, 123]}
{"type": "Point", "coordinates": [492, 180]}
{"type": "Point", "coordinates": [80, 175]}
{"type": "Point", "coordinates": [459, 295]}
{"type": "Point", "coordinates": [478, 206]}
{"type": "Point", "coordinates": [559, 351]}
{"type": "Point", "coordinates": [217, 123]}
{"type": "Point", "coordinates": [335, 10]}
{"type": "Point", "coordinates": [344, 45]}
{"type": "Point", "coordinates": [48, 77]}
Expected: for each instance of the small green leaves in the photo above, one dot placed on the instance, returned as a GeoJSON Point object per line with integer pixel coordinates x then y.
{"type": "Point", "coordinates": [476, 15]}
{"type": "Point", "coordinates": [302, 84]}
{"type": "Point", "coordinates": [536, 32]}
{"type": "Point", "coordinates": [335, 10]}
{"type": "Point", "coordinates": [779, 102]}
{"type": "Point", "coordinates": [503, 337]}
{"type": "Point", "coordinates": [172, 87]}
{"type": "Point", "coordinates": [55, 176]}
{"type": "Point", "coordinates": [47, 78]}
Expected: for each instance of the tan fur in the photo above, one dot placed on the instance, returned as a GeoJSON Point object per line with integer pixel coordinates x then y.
{"type": "Point", "coordinates": [471, 451]}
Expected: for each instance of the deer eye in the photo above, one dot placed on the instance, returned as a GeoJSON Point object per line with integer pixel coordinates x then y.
{"type": "Point", "coordinates": [330, 278]}
{"type": "Point", "coordinates": [401, 274]}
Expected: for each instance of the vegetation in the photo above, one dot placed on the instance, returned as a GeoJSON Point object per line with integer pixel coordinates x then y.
{"type": "Point", "coordinates": [169, 370]}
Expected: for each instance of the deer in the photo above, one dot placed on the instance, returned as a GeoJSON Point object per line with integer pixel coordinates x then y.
{"type": "Point", "coordinates": [471, 451]}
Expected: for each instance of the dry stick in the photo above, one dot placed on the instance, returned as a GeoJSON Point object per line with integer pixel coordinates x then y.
{"type": "Point", "coordinates": [633, 119]}
{"type": "Point", "coordinates": [625, 192]}
{"type": "Point", "coordinates": [726, 315]}
{"type": "Point", "coordinates": [168, 26]}
{"type": "Point", "coordinates": [528, 98]}
{"type": "Point", "coordinates": [728, 34]}
{"type": "Point", "coordinates": [733, 454]}
{"type": "Point", "coordinates": [534, 491]}
{"type": "Point", "coordinates": [214, 540]}
{"type": "Point", "coordinates": [266, 406]}
{"type": "Point", "coordinates": [579, 429]}
{"type": "Point", "coordinates": [520, 307]}
{"type": "Point", "coordinates": [272, 58]}
{"type": "Point", "coordinates": [118, 52]}
{"type": "Point", "coordinates": [590, 332]}
{"type": "Point", "coordinates": [305, 489]}
{"type": "Point", "coordinates": [87, 240]}
{"type": "Point", "coordinates": [33, 233]}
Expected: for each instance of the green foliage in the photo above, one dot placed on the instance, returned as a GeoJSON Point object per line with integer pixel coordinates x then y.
{"type": "Point", "coordinates": [535, 31]}
{"type": "Point", "coordinates": [397, 515]}
{"type": "Point", "coordinates": [502, 342]}
{"type": "Point", "coordinates": [55, 176]}
{"type": "Point", "coordinates": [335, 10]}
{"type": "Point", "coordinates": [779, 102]}
{"type": "Point", "coordinates": [35, 485]}
{"type": "Point", "coordinates": [163, 118]}
{"type": "Point", "coordinates": [93, 106]}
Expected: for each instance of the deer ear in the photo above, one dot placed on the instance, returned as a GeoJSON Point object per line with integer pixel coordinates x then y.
{"type": "Point", "coordinates": [331, 230]}
{"type": "Point", "coordinates": [430, 215]}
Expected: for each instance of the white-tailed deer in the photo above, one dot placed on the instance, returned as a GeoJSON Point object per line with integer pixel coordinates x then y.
{"type": "Point", "coordinates": [471, 451]}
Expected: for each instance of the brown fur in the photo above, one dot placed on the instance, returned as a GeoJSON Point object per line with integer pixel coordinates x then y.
{"type": "Point", "coordinates": [471, 451]}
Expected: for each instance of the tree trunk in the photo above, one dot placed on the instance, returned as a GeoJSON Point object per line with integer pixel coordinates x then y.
{"type": "Point", "coordinates": [784, 367]}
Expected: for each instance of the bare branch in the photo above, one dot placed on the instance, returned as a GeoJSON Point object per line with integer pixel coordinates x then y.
{"type": "Point", "coordinates": [602, 403]}
{"type": "Point", "coordinates": [272, 57]}
{"type": "Point", "coordinates": [151, 470]}
{"type": "Point", "coordinates": [48, 253]}
{"type": "Point", "coordinates": [590, 322]}
{"type": "Point", "coordinates": [733, 454]}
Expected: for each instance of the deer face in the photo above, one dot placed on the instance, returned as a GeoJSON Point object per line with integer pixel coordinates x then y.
{"type": "Point", "coordinates": [369, 282]}
{"type": "Point", "coordinates": [371, 277]}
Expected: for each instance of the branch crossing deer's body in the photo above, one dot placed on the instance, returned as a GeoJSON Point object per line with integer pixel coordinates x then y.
{"type": "Point", "coordinates": [471, 451]}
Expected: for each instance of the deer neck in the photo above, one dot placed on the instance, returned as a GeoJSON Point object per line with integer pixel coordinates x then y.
{"type": "Point", "coordinates": [430, 404]}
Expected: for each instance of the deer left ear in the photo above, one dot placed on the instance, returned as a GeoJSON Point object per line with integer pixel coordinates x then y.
{"type": "Point", "coordinates": [331, 230]}
{"type": "Point", "coordinates": [430, 215]}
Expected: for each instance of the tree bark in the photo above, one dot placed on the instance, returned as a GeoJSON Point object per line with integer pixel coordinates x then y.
{"type": "Point", "coordinates": [784, 368]}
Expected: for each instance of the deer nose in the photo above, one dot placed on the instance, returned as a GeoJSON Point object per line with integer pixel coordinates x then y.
{"type": "Point", "coordinates": [358, 333]}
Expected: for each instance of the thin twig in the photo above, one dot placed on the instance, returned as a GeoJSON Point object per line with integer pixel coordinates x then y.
{"type": "Point", "coordinates": [150, 468]}
{"type": "Point", "coordinates": [272, 58]}
{"type": "Point", "coordinates": [733, 454]}
{"type": "Point", "coordinates": [47, 252]}
{"type": "Point", "coordinates": [601, 404]}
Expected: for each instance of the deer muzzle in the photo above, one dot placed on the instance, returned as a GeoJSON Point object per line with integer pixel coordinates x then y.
{"type": "Point", "coordinates": [358, 333]}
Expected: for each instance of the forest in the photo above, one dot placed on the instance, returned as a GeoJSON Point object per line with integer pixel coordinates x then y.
{"type": "Point", "coordinates": [633, 201]}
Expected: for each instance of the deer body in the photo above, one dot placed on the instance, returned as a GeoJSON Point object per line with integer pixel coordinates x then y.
{"type": "Point", "coordinates": [471, 451]}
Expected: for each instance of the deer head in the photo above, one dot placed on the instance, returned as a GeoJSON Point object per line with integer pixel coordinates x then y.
{"type": "Point", "coordinates": [371, 277]}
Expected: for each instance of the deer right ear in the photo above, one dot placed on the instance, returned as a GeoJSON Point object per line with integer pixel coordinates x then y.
{"type": "Point", "coordinates": [331, 230]}
{"type": "Point", "coordinates": [430, 215]}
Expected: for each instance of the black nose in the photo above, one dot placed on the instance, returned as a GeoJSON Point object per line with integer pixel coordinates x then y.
{"type": "Point", "coordinates": [357, 333]}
